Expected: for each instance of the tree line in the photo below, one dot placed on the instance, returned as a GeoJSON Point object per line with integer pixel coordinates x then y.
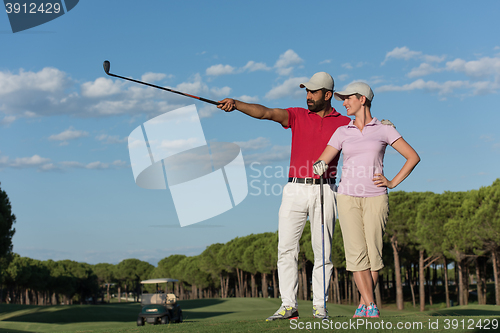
{"type": "Point", "coordinates": [426, 233]}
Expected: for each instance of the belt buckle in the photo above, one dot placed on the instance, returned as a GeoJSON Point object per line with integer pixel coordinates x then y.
{"type": "Point", "coordinates": [309, 181]}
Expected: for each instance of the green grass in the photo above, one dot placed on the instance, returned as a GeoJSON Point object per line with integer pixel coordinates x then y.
{"type": "Point", "coordinates": [235, 315]}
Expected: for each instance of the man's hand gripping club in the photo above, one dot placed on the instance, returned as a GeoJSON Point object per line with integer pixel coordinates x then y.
{"type": "Point", "coordinates": [320, 167]}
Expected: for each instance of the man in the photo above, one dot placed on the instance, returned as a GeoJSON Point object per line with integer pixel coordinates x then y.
{"type": "Point", "coordinates": [311, 130]}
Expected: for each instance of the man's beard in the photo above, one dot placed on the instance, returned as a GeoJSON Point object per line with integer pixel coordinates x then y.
{"type": "Point", "coordinates": [317, 105]}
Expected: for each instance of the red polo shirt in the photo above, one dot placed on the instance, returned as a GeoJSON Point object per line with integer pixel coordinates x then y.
{"type": "Point", "coordinates": [310, 135]}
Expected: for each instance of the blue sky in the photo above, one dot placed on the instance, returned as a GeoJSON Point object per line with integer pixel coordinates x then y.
{"type": "Point", "coordinates": [64, 162]}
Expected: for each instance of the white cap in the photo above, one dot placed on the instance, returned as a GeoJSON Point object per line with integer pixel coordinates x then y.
{"type": "Point", "coordinates": [318, 81]}
{"type": "Point", "coordinates": [355, 88]}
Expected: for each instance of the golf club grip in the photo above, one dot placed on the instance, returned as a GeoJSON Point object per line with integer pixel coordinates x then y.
{"type": "Point", "coordinates": [167, 89]}
{"type": "Point", "coordinates": [192, 96]}
{"type": "Point", "coordinates": [208, 101]}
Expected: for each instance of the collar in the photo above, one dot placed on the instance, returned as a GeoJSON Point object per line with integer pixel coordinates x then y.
{"type": "Point", "coordinates": [374, 122]}
{"type": "Point", "coordinates": [334, 113]}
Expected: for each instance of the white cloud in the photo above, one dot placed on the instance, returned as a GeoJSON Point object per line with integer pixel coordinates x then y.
{"type": "Point", "coordinates": [477, 68]}
{"type": "Point", "coordinates": [220, 69]}
{"type": "Point", "coordinates": [487, 138]}
{"type": "Point", "coordinates": [431, 58]}
{"type": "Point", "coordinates": [249, 99]}
{"type": "Point", "coordinates": [485, 87]}
{"type": "Point", "coordinates": [401, 53]}
{"type": "Point", "coordinates": [254, 144]}
{"type": "Point", "coordinates": [207, 111]}
{"type": "Point", "coordinates": [97, 165]}
{"type": "Point", "coordinates": [101, 87]}
{"type": "Point", "coordinates": [289, 88]}
{"type": "Point", "coordinates": [45, 164]}
{"type": "Point", "coordinates": [129, 98]}
{"type": "Point", "coordinates": [289, 58]}
{"type": "Point", "coordinates": [195, 87]}
{"type": "Point", "coordinates": [35, 160]}
{"type": "Point", "coordinates": [7, 120]}
{"type": "Point", "coordinates": [484, 68]}
{"type": "Point", "coordinates": [111, 139]}
{"type": "Point", "coordinates": [287, 61]}
{"type": "Point", "coordinates": [50, 92]}
{"type": "Point", "coordinates": [376, 79]}
{"type": "Point", "coordinates": [406, 54]}
{"type": "Point", "coordinates": [285, 71]}
{"type": "Point", "coordinates": [423, 69]}
{"type": "Point", "coordinates": [49, 167]}
{"type": "Point", "coordinates": [221, 92]}
{"type": "Point", "coordinates": [178, 145]}
{"type": "Point", "coordinates": [72, 164]}
{"type": "Point", "coordinates": [119, 163]}
{"type": "Point", "coordinates": [432, 86]}
{"type": "Point", "coordinates": [134, 143]}
{"type": "Point", "coordinates": [30, 94]}
{"type": "Point", "coordinates": [29, 114]}
{"type": "Point", "coordinates": [47, 80]}
{"type": "Point", "coordinates": [347, 66]}
{"type": "Point", "coordinates": [69, 134]}
{"type": "Point", "coordinates": [275, 154]}
{"type": "Point", "coordinates": [342, 77]}
{"type": "Point", "coordinates": [111, 108]}
{"type": "Point", "coordinates": [153, 77]}
{"type": "Point", "coordinates": [4, 160]}
{"type": "Point", "coordinates": [253, 66]}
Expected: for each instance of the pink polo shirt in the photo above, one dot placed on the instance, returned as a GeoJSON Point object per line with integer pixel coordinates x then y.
{"type": "Point", "coordinates": [363, 153]}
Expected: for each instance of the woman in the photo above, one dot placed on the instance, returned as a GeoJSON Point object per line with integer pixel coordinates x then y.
{"type": "Point", "coordinates": [362, 198]}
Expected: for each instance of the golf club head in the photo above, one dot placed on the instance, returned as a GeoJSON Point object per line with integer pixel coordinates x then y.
{"type": "Point", "coordinates": [106, 66]}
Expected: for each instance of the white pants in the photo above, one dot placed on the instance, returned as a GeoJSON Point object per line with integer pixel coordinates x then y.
{"type": "Point", "coordinates": [300, 201]}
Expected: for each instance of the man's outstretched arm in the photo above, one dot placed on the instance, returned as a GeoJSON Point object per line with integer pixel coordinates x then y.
{"type": "Point", "coordinates": [255, 110]}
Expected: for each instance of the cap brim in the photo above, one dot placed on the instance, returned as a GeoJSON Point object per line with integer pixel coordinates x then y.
{"type": "Point", "coordinates": [310, 86]}
{"type": "Point", "coordinates": [339, 96]}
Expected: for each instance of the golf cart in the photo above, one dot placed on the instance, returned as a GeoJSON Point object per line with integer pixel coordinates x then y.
{"type": "Point", "coordinates": [158, 307]}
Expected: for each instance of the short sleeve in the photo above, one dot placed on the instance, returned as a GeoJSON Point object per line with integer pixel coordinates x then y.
{"type": "Point", "coordinates": [336, 139]}
{"type": "Point", "coordinates": [292, 116]}
{"type": "Point", "coordinates": [391, 134]}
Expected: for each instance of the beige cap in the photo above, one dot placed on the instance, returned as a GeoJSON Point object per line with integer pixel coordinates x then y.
{"type": "Point", "coordinates": [318, 81]}
{"type": "Point", "coordinates": [355, 88]}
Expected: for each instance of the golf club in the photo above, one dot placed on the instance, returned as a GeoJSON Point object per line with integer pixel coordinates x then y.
{"type": "Point", "coordinates": [323, 238]}
{"type": "Point", "coordinates": [106, 65]}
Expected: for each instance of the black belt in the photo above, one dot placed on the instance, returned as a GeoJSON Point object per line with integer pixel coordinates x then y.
{"type": "Point", "coordinates": [311, 180]}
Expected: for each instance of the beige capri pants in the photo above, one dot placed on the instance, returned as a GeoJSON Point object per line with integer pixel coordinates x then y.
{"type": "Point", "coordinates": [363, 220]}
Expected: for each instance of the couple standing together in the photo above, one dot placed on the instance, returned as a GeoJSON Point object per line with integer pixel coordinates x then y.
{"type": "Point", "coordinates": [319, 133]}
